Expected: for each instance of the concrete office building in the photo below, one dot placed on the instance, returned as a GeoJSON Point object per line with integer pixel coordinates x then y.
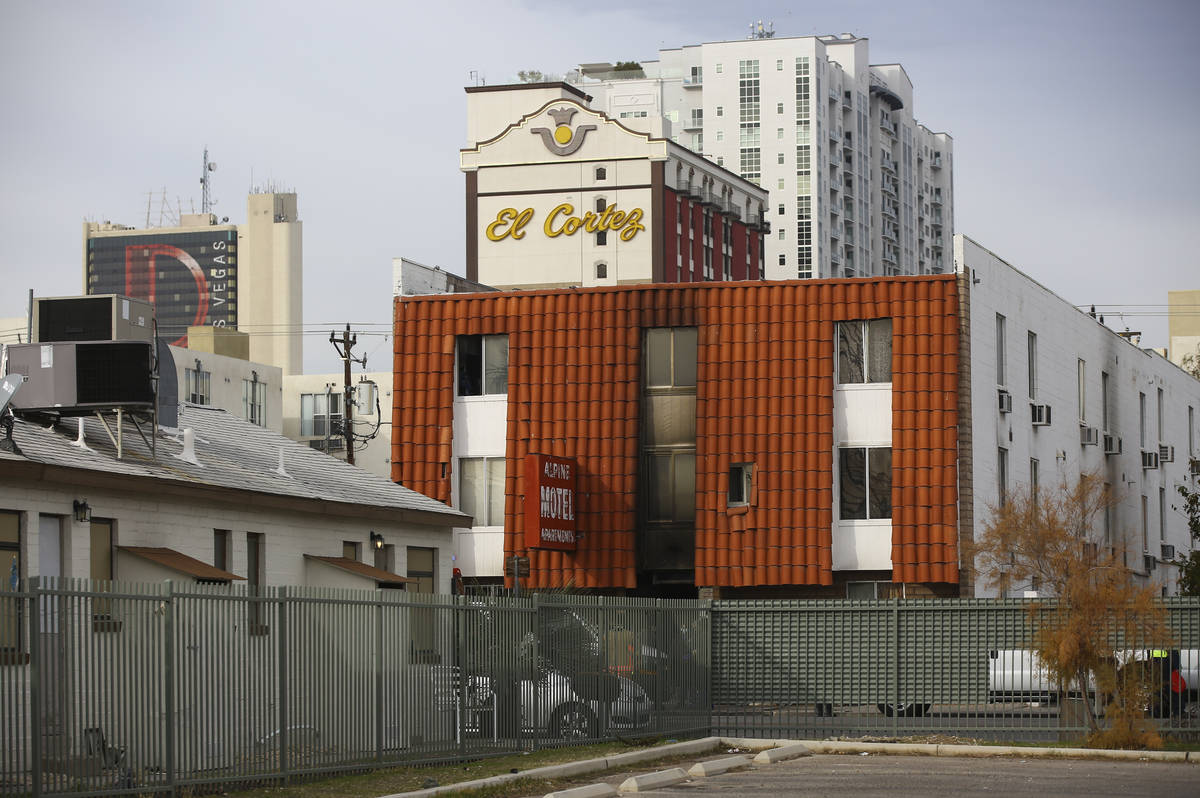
{"type": "Point", "coordinates": [858, 186]}
{"type": "Point", "coordinates": [207, 272]}
{"type": "Point", "coordinates": [1183, 325]}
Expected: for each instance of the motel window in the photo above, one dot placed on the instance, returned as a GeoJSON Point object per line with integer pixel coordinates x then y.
{"type": "Point", "coordinates": [254, 401]}
{"type": "Point", "coordinates": [1081, 385]}
{"type": "Point", "coordinates": [864, 482]}
{"type": "Point", "coordinates": [874, 590]}
{"type": "Point", "coordinates": [482, 365]}
{"type": "Point", "coordinates": [864, 351]}
{"type": "Point", "coordinates": [1142, 419]}
{"type": "Point", "coordinates": [601, 173]}
{"type": "Point", "coordinates": [672, 486]}
{"type": "Point", "coordinates": [1104, 399]}
{"type": "Point", "coordinates": [221, 549]}
{"type": "Point", "coordinates": [10, 565]}
{"type": "Point", "coordinates": [601, 271]}
{"type": "Point", "coordinates": [352, 550]}
{"type": "Point", "coordinates": [1145, 523]}
{"type": "Point", "coordinates": [1031, 356]}
{"type": "Point", "coordinates": [740, 476]}
{"type": "Point", "coordinates": [1160, 415]}
{"type": "Point", "coordinates": [481, 489]}
{"type": "Point", "coordinates": [1000, 350]}
{"type": "Point", "coordinates": [1002, 476]}
{"type": "Point", "coordinates": [320, 414]}
{"type": "Point", "coordinates": [671, 357]}
{"type": "Point", "coordinates": [197, 385]}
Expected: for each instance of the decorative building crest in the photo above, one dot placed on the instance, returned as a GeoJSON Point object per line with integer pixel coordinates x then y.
{"type": "Point", "coordinates": [563, 140]}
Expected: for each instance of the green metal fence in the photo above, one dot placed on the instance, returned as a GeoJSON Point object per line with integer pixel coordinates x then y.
{"type": "Point", "coordinates": [137, 689]}
{"type": "Point", "coordinates": [960, 667]}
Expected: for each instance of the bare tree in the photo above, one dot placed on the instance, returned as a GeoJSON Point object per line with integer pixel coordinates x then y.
{"type": "Point", "coordinates": [1052, 539]}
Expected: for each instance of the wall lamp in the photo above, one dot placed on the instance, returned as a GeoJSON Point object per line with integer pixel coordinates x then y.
{"type": "Point", "coordinates": [82, 511]}
{"type": "Point", "coordinates": [376, 540]}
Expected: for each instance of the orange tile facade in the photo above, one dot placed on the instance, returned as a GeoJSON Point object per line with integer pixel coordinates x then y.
{"type": "Point", "coordinates": [764, 395]}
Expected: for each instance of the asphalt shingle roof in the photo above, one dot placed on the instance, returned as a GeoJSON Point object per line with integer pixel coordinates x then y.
{"type": "Point", "coordinates": [232, 453]}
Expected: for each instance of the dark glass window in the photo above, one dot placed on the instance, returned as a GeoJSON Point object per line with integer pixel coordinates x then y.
{"type": "Point", "coordinates": [864, 351]}
{"type": "Point", "coordinates": [865, 482]}
{"type": "Point", "coordinates": [482, 365]}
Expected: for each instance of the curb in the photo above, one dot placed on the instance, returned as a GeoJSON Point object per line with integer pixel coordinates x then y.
{"type": "Point", "coordinates": [652, 781]}
{"type": "Point", "coordinates": [983, 751]}
{"type": "Point", "coordinates": [703, 745]}
{"type": "Point", "coordinates": [714, 766]}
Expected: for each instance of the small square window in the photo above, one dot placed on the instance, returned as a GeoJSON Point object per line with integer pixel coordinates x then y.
{"type": "Point", "coordinates": [720, 135]}
{"type": "Point", "coordinates": [779, 108]}
{"type": "Point", "coordinates": [740, 484]}
{"type": "Point", "coordinates": [783, 260]}
{"type": "Point", "coordinates": [601, 173]}
{"type": "Point", "coordinates": [719, 69]}
{"type": "Point", "coordinates": [779, 133]}
{"type": "Point", "coordinates": [780, 159]}
{"type": "Point", "coordinates": [602, 238]}
{"type": "Point", "coordinates": [781, 210]}
{"type": "Point", "coordinates": [781, 182]}
{"type": "Point", "coordinates": [720, 111]}
{"type": "Point", "coordinates": [779, 65]}
{"type": "Point", "coordinates": [601, 271]}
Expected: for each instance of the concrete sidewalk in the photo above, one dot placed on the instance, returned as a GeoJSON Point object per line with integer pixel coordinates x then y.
{"type": "Point", "coordinates": [708, 745]}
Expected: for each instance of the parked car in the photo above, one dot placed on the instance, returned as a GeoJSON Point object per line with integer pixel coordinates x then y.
{"type": "Point", "coordinates": [1173, 675]}
{"type": "Point", "coordinates": [561, 707]}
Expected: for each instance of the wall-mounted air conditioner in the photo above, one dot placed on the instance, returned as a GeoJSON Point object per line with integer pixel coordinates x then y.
{"type": "Point", "coordinates": [1149, 460]}
{"type": "Point", "coordinates": [1166, 453]}
{"type": "Point", "coordinates": [1005, 401]}
{"type": "Point", "coordinates": [1040, 415]}
{"type": "Point", "coordinates": [102, 317]}
{"type": "Point", "coordinates": [1194, 468]}
{"type": "Point", "coordinates": [1112, 444]}
{"type": "Point", "coordinates": [1089, 436]}
{"type": "Point", "coordinates": [1168, 552]}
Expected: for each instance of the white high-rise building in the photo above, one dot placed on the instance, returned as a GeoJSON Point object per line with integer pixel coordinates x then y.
{"type": "Point", "coordinates": [858, 186]}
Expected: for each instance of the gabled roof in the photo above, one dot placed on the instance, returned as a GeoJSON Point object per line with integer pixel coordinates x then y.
{"type": "Point", "coordinates": [178, 561]}
{"type": "Point", "coordinates": [233, 457]}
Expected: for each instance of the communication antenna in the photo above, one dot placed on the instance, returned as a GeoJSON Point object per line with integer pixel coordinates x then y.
{"type": "Point", "coordinates": [206, 201]}
{"type": "Point", "coordinates": [758, 31]}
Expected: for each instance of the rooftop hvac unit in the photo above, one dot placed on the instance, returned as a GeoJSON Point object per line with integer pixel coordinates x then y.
{"type": "Point", "coordinates": [1149, 460]}
{"type": "Point", "coordinates": [1089, 436]}
{"type": "Point", "coordinates": [74, 378]}
{"type": "Point", "coordinates": [1005, 401]}
{"type": "Point", "coordinates": [103, 317]}
{"type": "Point", "coordinates": [1112, 444]}
{"type": "Point", "coordinates": [1166, 453]}
{"type": "Point", "coordinates": [1040, 415]}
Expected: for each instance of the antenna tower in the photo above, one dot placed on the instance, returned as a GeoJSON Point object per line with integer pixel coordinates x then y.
{"type": "Point", "coordinates": [206, 200]}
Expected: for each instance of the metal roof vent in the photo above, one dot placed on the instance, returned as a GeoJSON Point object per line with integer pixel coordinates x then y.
{"type": "Point", "coordinates": [188, 455]}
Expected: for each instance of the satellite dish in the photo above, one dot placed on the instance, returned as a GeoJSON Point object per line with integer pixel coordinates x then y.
{"type": "Point", "coordinates": [8, 388]}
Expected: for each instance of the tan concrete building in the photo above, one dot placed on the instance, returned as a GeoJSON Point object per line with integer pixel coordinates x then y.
{"type": "Point", "coordinates": [1183, 324]}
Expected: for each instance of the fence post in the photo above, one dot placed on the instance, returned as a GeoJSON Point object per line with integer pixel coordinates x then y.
{"type": "Point", "coordinates": [283, 683]}
{"type": "Point", "coordinates": [35, 681]}
{"type": "Point", "coordinates": [895, 691]}
{"type": "Point", "coordinates": [169, 677]}
{"type": "Point", "coordinates": [379, 708]}
{"type": "Point", "coordinates": [659, 663]}
{"type": "Point", "coordinates": [536, 687]}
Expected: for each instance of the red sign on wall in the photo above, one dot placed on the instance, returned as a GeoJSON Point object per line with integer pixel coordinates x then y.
{"type": "Point", "coordinates": [550, 502]}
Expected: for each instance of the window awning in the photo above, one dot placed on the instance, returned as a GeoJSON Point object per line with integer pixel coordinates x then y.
{"type": "Point", "coordinates": [178, 561]}
{"type": "Point", "coordinates": [382, 578]}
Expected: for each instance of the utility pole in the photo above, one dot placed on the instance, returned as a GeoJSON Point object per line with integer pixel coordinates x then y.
{"type": "Point", "coordinates": [344, 349]}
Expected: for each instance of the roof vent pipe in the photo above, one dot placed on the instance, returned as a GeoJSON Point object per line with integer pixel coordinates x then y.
{"type": "Point", "coordinates": [188, 455]}
{"type": "Point", "coordinates": [281, 471]}
{"type": "Point", "coordinates": [80, 439]}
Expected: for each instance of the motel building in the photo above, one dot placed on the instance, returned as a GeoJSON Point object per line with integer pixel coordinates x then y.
{"type": "Point", "coordinates": [560, 195]}
{"type": "Point", "coordinates": [795, 439]}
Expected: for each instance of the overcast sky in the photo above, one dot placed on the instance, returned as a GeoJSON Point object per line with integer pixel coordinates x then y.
{"type": "Point", "coordinates": [1075, 124]}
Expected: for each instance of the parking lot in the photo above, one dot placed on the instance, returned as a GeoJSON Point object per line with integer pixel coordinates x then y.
{"type": "Point", "coordinates": [874, 776]}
